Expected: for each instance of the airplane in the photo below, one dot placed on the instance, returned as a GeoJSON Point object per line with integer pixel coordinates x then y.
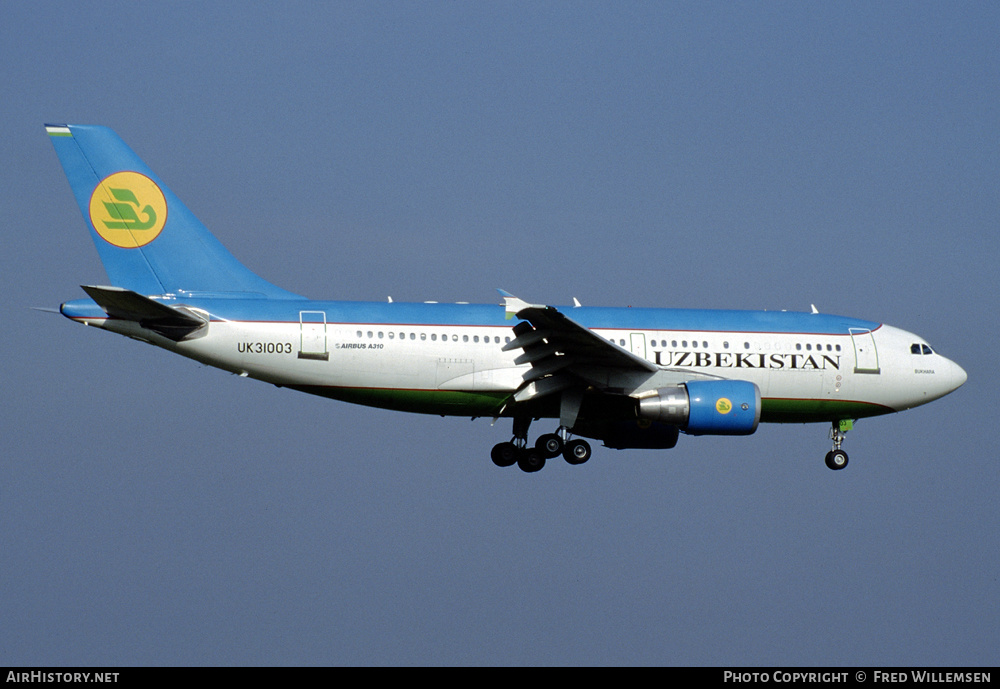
{"type": "Point", "coordinates": [628, 377]}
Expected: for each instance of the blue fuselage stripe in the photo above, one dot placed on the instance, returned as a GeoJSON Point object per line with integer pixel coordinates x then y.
{"type": "Point", "coordinates": [401, 313]}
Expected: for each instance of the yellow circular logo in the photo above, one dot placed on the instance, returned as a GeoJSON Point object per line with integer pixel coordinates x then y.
{"type": "Point", "coordinates": [128, 209]}
{"type": "Point", "coordinates": [723, 406]}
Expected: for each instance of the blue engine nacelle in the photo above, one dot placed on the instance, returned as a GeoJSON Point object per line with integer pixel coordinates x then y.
{"type": "Point", "coordinates": [705, 407]}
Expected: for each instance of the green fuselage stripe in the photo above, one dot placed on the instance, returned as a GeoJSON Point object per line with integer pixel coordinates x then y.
{"type": "Point", "coordinates": [444, 402]}
{"type": "Point", "coordinates": [806, 411]}
{"type": "Point", "coordinates": [461, 403]}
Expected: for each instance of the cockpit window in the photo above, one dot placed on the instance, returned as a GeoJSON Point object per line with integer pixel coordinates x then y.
{"type": "Point", "coordinates": [927, 350]}
{"type": "Point", "coordinates": [920, 349]}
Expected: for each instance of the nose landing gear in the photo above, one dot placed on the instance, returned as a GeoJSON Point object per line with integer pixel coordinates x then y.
{"type": "Point", "coordinates": [836, 458]}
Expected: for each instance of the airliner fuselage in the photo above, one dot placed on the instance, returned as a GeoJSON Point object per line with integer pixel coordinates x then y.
{"type": "Point", "coordinates": [449, 359]}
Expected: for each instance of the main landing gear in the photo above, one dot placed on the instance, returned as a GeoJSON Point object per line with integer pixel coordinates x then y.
{"type": "Point", "coordinates": [547, 446]}
{"type": "Point", "coordinates": [836, 458]}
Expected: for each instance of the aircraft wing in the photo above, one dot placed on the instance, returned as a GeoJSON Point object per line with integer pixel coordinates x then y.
{"type": "Point", "coordinates": [559, 349]}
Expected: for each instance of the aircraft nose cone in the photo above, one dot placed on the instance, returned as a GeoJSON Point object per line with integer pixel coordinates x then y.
{"type": "Point", "coordinates": [957, 376]}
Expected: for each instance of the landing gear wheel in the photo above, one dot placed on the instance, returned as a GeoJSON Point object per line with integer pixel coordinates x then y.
{"type": "Point", "coordinates": [531, 461]}
{"type": "Point", "coordinates": [577, 451]}
{"type": "Point", "coordinates": [836, 459]}
{"type": "Point", "coordinates": [550, 445]}
{"type": "Point", "coordinates": [504, 454]}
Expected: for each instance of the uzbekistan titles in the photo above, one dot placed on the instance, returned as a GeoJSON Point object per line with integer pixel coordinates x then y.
{"type": "Point", "coordinates": [796, 362]}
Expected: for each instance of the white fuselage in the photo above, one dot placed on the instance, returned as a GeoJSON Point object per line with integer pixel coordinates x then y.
{"type": "Point", "coordinates": [802, 376]}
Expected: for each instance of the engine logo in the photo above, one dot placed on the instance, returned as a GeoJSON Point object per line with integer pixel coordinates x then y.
{"type": "Point", "coordinates": [723, 406]}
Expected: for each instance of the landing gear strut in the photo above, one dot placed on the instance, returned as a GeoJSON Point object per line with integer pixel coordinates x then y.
{"type": "Point", "coordinates": [573, 451]}
{"type": "Point", "coordinates": [836, 458]}
{"type": "Point", "coordinates": [547, 446]}
{"type": "Point", "coordinates": [517, 451]}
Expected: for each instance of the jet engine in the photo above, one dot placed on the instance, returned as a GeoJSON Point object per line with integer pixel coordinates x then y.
{"type": "Point", "coordinates": [705, 407]}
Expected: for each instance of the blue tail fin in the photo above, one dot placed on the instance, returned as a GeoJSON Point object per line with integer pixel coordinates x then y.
{"type": "Point", "coordinates": [149, 242]}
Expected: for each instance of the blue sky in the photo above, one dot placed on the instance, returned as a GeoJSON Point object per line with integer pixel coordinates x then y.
{"type": "Point", "coordinates": [716, 155]}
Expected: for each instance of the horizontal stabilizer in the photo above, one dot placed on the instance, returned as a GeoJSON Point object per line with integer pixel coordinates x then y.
{"type": "Point", "coordinates": [124, 304]}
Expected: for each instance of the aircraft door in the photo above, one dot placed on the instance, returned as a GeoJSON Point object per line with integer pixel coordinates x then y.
{"type": "Point", "coordinates": [637, 344]}
{"type": "Point", "coordinates": [312, 335]}
{"type": "Point", "coordinates": [865, 354]}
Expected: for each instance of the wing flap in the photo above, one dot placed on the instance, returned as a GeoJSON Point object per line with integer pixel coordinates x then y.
{"type": "Point", "coordinates": [545, 386]}
{"type": "Point", "coordinates": [564, 354]}
{"type": "Point", "coordinates": [568, 336]}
